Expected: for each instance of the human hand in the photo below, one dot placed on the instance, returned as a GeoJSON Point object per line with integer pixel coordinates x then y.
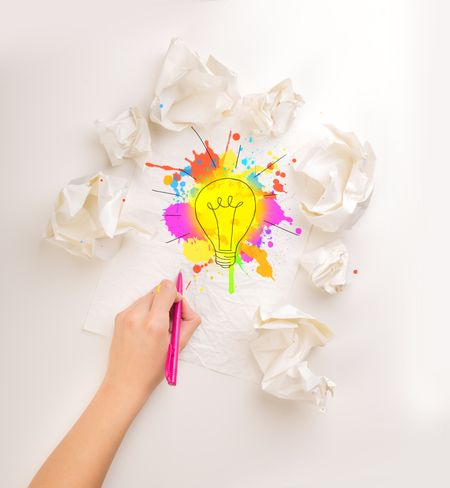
{"type": "Point", "coordinates": [141, 338]}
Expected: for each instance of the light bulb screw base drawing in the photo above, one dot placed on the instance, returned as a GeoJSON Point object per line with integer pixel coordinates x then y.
{"type": "Point", "coordinates": [225, 258]}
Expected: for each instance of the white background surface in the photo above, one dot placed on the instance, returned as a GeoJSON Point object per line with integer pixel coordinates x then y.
{"type": "Point", "coordinates": [373, 67]}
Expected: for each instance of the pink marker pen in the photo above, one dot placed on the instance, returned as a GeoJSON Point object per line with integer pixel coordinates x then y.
{"type": "Point", "coordinates": [174, 345]}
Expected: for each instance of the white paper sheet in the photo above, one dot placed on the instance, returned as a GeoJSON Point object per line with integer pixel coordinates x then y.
{"type": "Point", "coordinates": [286, 336]}
{"type": "Point", "coordinates": [222, 342]}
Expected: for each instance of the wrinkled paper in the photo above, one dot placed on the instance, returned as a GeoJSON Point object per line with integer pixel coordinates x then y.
{"type": "Point", "coordinates": [86, 216]}
{"type": "Point", "coordinates": [286, 336]}
{"type": "Point", "coordinates": [336, 180]}
{"type": "Point", "coordinates": [221, 343]}
{"type": "Point", "coordinates": [327, 266]}
{"type": "Point", "coordinates": [190, 92]}
{"type": "Point", "coordinates": [272, 113]}
{"type": "Point", "coordinates": [126, 137]}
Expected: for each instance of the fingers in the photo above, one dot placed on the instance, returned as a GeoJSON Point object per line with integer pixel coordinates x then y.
{"type": "Point", "coordinates": [166, 295]}
{"type": "Point", "coordinates": [142, 305]}
{"type": "Point", "coordinates": [190, 321]}
{"type": "Point", "coordinates": [187, 313]}
{"type": "Point", "coordinates": [154, 309]}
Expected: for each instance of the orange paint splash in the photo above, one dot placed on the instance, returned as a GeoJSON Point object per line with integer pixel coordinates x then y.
{"type": "Point", "coordinates": [260, 255]}
{"type": "Point", "coordinates": [201, 165]}
{"type": "Point", "coordinates": [163, 166]}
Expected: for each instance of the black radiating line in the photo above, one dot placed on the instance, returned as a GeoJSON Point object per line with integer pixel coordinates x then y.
{"type": "Point", "coordinates": [189, 174]}
{"type": "Point", "coordinates": [179, 237]}
{"type": "Point", "coordinates": [237, 159]}
{"type": "Point", "coordinates": [268, 166]}
{"type": "Point", "coordinates": [204, 145]}
{"type": "Point", "coordinates": [281, 228]}
{"type": "Point", "coordinates": [166, 192]}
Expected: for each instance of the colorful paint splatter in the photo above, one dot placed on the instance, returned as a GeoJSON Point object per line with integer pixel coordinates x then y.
{"type": "Point", "coordinates": [225, 207]}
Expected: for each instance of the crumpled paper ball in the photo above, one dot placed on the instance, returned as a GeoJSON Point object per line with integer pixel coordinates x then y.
{"type": "Point", "coordinates": [327, 266]}
{"type": "Point", "coordinates": [335, 180]}
{"type": "Point", "coordinates": [272, 113]}
{"type": "Point", "coordinates": [86, 217]}
{"type": "Point", "coordinates": [286, 336]}
{"type": "Point", "coordinates": [126, 137]}
{"type": "Point", "coordinates": [190, 92]}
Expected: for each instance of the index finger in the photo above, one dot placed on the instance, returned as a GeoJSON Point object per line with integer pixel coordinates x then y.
{"type": "Point", "coordinates": [164, 298]}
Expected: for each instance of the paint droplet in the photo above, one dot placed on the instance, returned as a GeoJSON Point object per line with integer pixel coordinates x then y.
{"type": "Point", "coordinates": [236, 136]}
{"type": "Point", "coordinates": [298, 230]}
{"type": "Point", "coordinates": [161, 105]}
{"type": "Point", "coordinates": [294, 160]}
{"type": "Point", "coordinates": [277, 186]}
{"type": "Point", "coordinates": [167, 179]}
{"type": "Point", "coordinates": [101, 179]}
{"type": "Point", "coordinates": [270, 244]}
{"type": "Point", "coordinates": [355, 271]}
{"type": "Point", "coordinates": [197, 268]}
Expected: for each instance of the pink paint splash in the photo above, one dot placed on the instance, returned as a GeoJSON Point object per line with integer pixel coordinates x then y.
{"type": "Point", "coordinates": [180, 221]}
{"type": "Point", "coordinates": [273, 215]}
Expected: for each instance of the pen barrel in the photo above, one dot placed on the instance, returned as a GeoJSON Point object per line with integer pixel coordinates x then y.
{"type": "Point", "coordinates": [174, 346]}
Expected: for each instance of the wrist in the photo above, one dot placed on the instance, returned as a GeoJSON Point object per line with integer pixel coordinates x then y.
{"type": "Point", "coordinates": [123, 400]}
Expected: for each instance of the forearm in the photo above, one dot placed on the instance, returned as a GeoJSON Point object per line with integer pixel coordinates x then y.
{"type": "Point", "coordinates": [136, 366]}
{"type": "Point", "coordinates": [85, 454]}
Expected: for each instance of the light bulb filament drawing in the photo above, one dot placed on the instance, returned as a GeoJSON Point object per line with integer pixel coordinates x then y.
{"type": "Point", "coordinates": [225, 209]}
{"type": "Point", "coordinates": [228, 213]}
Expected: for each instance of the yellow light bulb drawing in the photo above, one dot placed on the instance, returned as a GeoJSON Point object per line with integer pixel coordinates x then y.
{"type": "Point", "coordinates": [225, 209]}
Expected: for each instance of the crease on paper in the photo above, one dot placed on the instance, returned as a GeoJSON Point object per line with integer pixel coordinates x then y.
{"type": "Point", "coordinates": [286, 336]}
{"type": "Point", "coordinates": [327, 266]}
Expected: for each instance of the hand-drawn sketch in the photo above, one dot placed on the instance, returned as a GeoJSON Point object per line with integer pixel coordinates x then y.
{"type": "Point", "coordinates": [226, 224]}
{"type": "Point", "coordinates": [225, 207]}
